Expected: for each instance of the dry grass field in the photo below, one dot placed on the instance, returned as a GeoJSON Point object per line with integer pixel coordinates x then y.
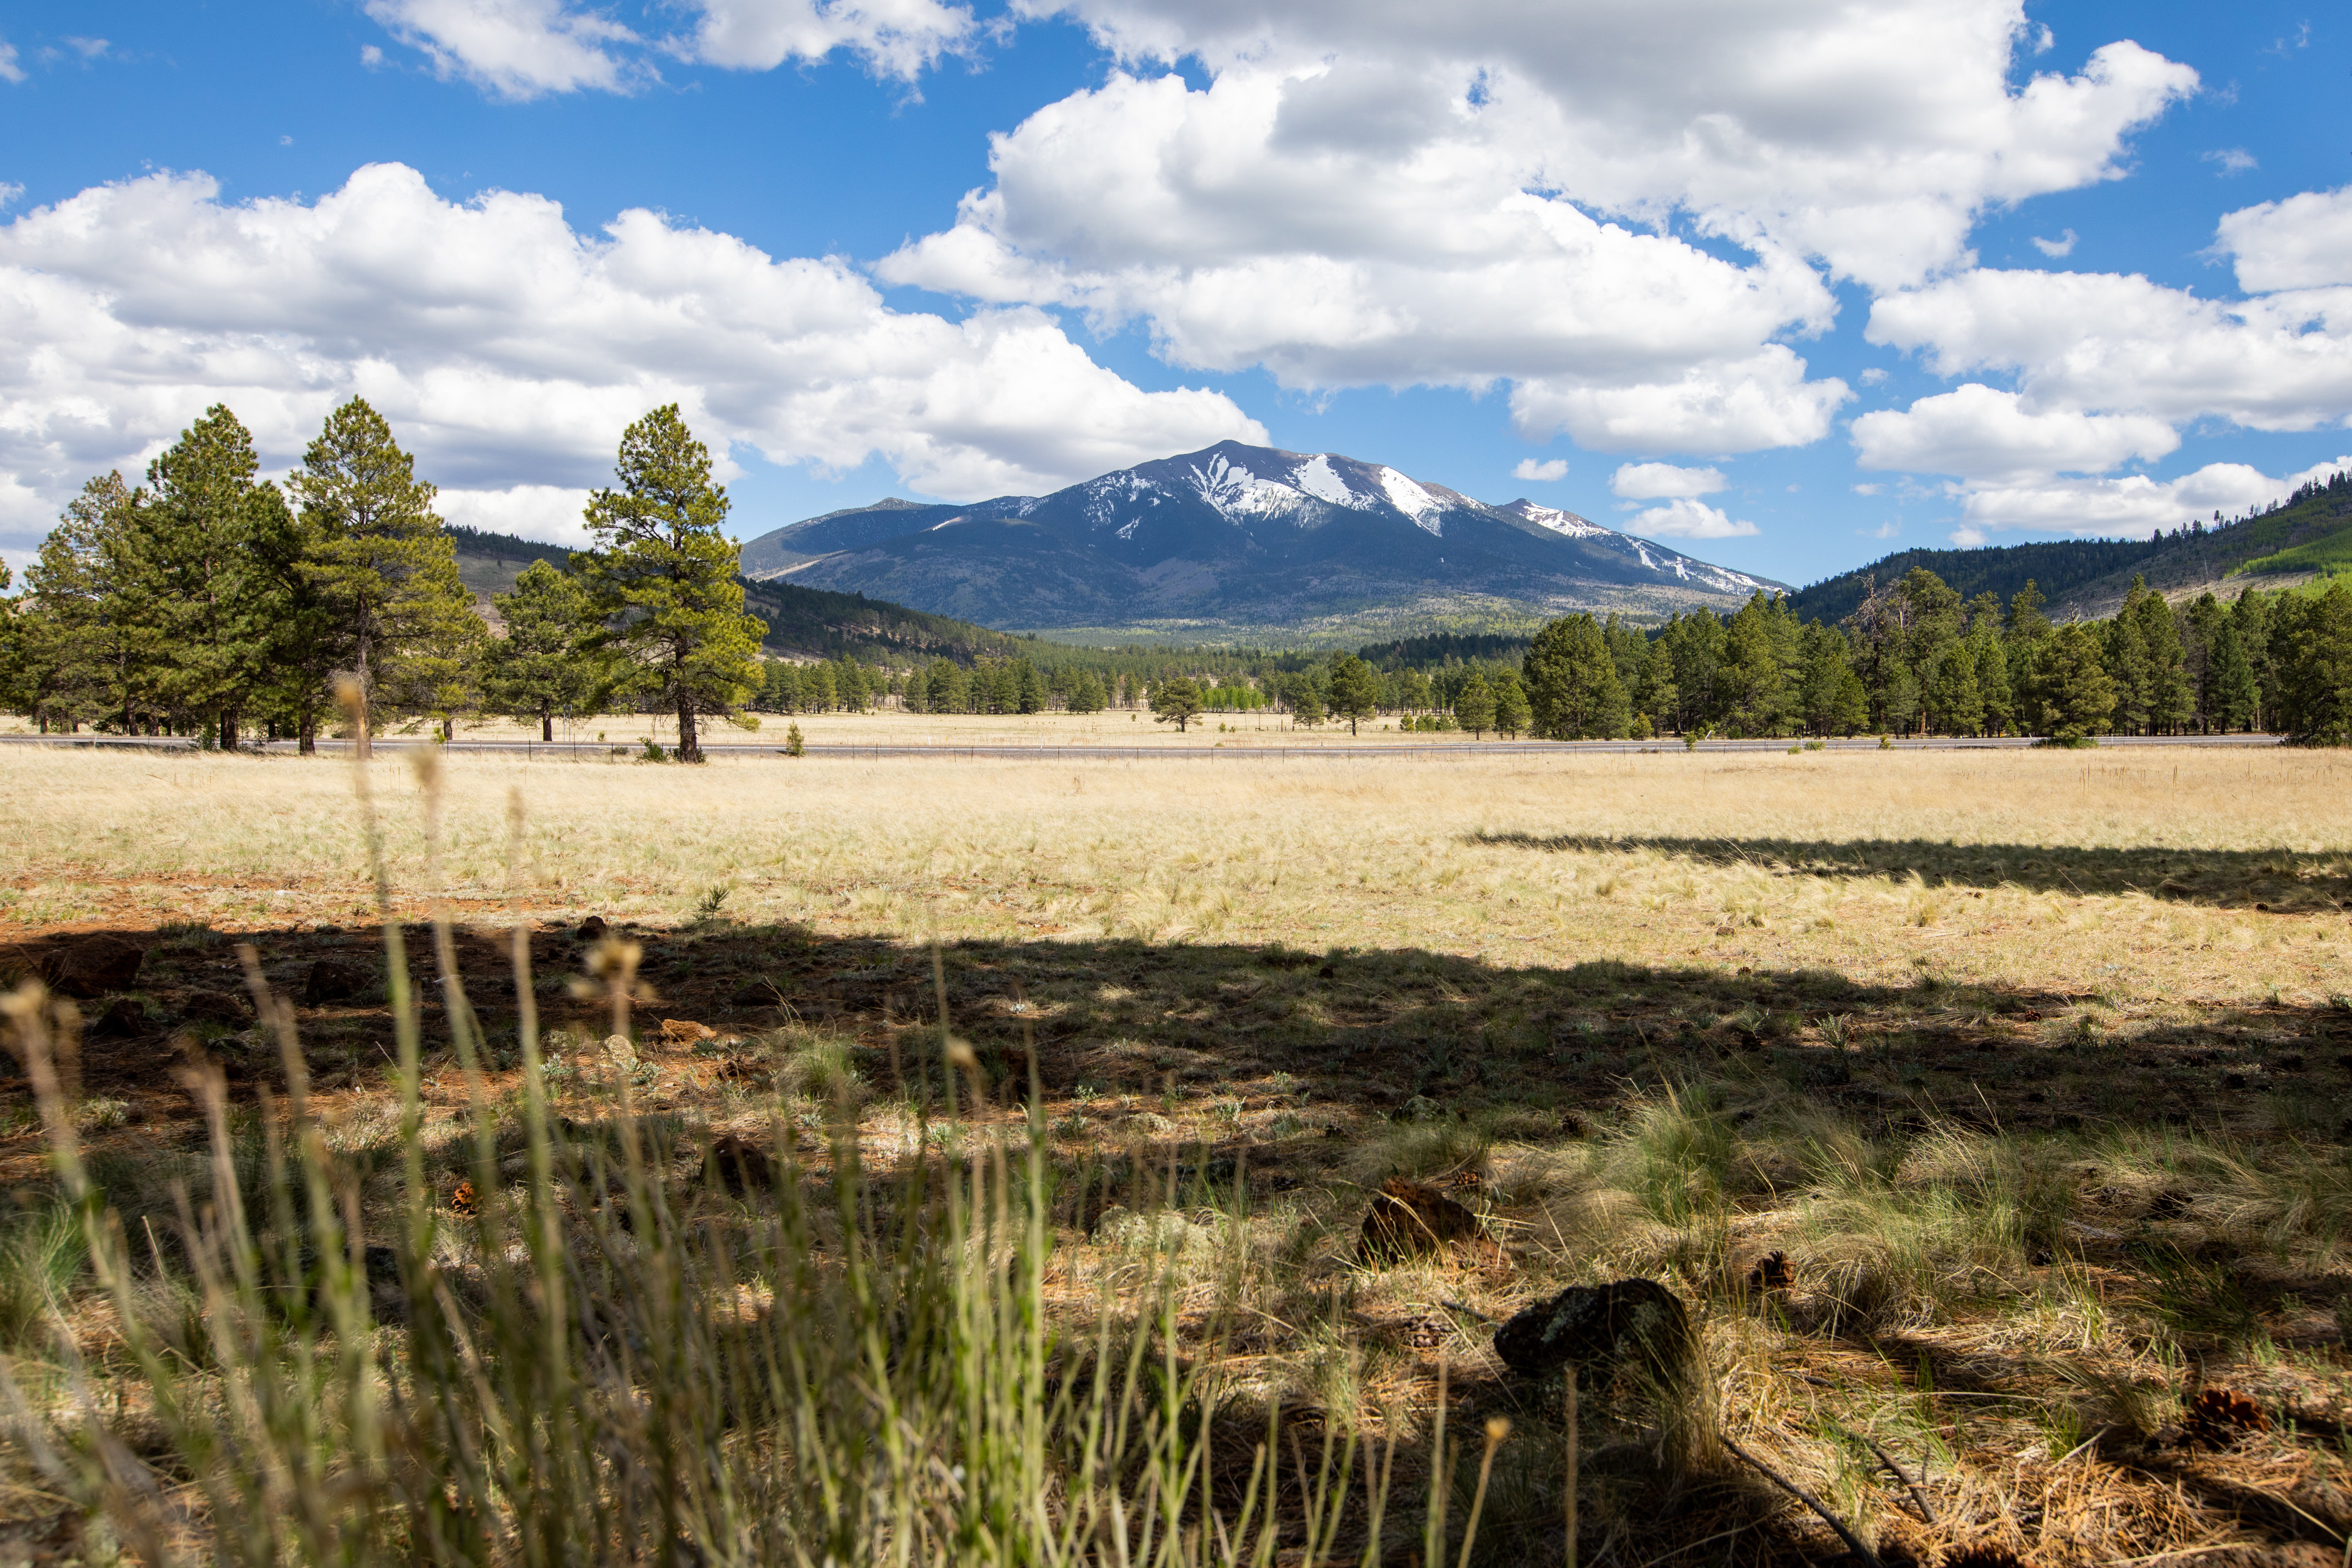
{"type": "Point", "coordinates": [2033, 1070]}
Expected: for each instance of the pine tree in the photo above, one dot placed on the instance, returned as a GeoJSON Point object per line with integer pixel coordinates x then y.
{"type": "Point", "coordinates": [1176, 700]}
{"type": "Point", "coordinates": [544, 665]}
{"type": "Point", "coordinates": [201, 541]}
{"type": "Point", "coordinates": [1955, 704]}
{"type": "Point", "coordinates": [382, 568]}
{"type": "Point", "coordinates": [1351, 691]}
{"type": "Point", "coordinates": [1086, 694]}
{"type": "Point", "coordinates": [1305, 700]}
{"type": "Point", "coordinates": [2077, 694]}
{"type": "Point", "coordinates": [1993, 686]}
{"type": "Point", "coordinates": [2236, 700]}
{"type": "Point", "coordinates": [782, 692]}
{"type": "Point", "coordinates": [87, 645]}
{"type": "Point", "coordinates": [662, 574]}
{"type": "Point", "coordinates": [2313, 646]}
{"type": "Point", "coordinates": [1474, 706]}
{"type": "Point", "coordinates": [2250, 617]}
{"type": "Point", "coordinates": [1510, 704]}
{"type": "Point", "coordinates": [1573, 691]}
{"type": "Point", "coordinates": [851, 687]}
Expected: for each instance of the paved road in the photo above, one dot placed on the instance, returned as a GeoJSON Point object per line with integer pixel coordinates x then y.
{"type": "Point", "coordinates": [1239, 750]}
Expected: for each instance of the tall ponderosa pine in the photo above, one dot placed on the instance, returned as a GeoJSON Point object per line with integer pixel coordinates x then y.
{"type": "Point", "coordinates": [384, 571]}
{"type": "Point", "coordinates": [1352, 692]}
{"type": "Point", "coordinates": [208, 542]}
{"type": "Point", "coordinates": [1572, 685]}
{"type": "Point", "coordinates": [542, 669]}
{"type": "Point", "coordinates": [663, 573]}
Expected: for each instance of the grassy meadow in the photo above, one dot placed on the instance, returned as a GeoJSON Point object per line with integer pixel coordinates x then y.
{"type": "Point", "coordinates": [979, 1169]}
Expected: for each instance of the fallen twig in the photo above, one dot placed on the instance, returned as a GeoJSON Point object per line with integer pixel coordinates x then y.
{"type": "Point", "coordinates": [1868, 1558]}
{"type": "Point", "coordinates": [1927, 1511]}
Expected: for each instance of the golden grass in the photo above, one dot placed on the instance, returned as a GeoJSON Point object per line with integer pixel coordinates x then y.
{"type": "Point", "coordinates": [1856, 991]}
{"type": "Point", "coordinates": [1974, 867]}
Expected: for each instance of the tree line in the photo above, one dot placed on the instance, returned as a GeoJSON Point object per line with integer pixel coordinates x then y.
{"type": "Point", "coordinates": [207, 602]}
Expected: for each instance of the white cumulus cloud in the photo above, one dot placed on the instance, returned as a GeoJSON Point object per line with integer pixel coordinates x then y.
{"type": "Point", "coordinates": [2115, 342]}
{"type": "Point", "coordinates": [1660, 481]}
{"type": "Point", "coordinates": [527, 49]}
{"type": "Point", "coordinates": [2302, 242]}
{"type": "Point", "coordinates": [10, 71]}
{"type": "Point", "coordinates": [515, 48]}
{"type": "Point", "coordinates": [1549, 469]}
{"type": "Point", "coordinates": [509, 350]}
{"type": "Point", "coordinates": [1380, 192]}
{"type": "Point", "coordinates": [1688, 520]}
{"type": "Point", "coordinates": [2132, 503]}
{"type": "Point", "coordinates": [1979, 433]}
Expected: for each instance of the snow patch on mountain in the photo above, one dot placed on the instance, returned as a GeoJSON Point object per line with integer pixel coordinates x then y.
{"type": "Point", "coordinates": [1321, 480]}
{"type": "Point", "coordinates": [1236, 493]}
{"type": "Point", "coordinates": [1565, 522]}
{"type": "Point", "coordinates": [1425, 509]}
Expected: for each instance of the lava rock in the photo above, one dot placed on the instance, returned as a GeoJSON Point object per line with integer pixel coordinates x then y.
{"type": "Point", "coordinates": [334, 980]}
{"type": "Point", "coordinates": [216, 1007]}
{"type": "Point", "coordinates": [1599, 1325]}
{"type": "Point", "coordinates": [739, 1166]}
{"type": "Point", "coordinates": [123, 1019]}
{"type": "Point", "coordinates": [758, 994]}
{"type": "Point", "coordinates": [94, 966]}
{"type": "Point", "coordinates": [1409, 1219]}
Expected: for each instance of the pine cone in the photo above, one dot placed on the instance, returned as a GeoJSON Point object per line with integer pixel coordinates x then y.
{"type": "Point", "coordinates": [2218, 1416]}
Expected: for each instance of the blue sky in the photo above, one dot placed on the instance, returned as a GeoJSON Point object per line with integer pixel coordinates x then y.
{"type": "Point", "coordinates": [1791, 285]}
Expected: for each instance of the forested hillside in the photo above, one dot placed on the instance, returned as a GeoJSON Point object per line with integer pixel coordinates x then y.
{"type": "Point", "coordinates": [2304, 535]}
{"type": "Point", "coordinates": [2055, 566]}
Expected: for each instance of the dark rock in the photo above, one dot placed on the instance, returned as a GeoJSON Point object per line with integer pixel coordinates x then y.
{"type": "Point", "coordinates": [739, 1166]}
{"type": "Point", "coordinates": [1595, 1325]}
{"type": "Point", "coordinates": [216, 1007]}
{"type": "Point", "coordinates": [758, 994]}
{"type": "Point", "coordinates": [123, 1018]}
{"type": "Point", "coordinates": [93, 967]}
{"type": "Point", "coordinates": [593, 928]}
{"type": "Point", "coordinates": [334, 980]}
{"type": "Point", "coordinates": [1411, 1218]}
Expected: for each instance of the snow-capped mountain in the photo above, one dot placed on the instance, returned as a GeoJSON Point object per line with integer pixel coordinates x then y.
{"type": "Point", "coordinates": [1244, 536]}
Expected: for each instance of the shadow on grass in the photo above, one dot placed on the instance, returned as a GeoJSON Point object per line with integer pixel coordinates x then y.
{"type": "Point", "coordinates": [1352, 1037]}
{"type": "Point", "coordinates": [2286, 880]}
{"type": "Point", "coordinates": [1374, 1030]}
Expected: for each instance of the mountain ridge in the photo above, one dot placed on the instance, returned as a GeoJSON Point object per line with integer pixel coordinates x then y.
{"type": "Point", "coordinates": [1237, 540]}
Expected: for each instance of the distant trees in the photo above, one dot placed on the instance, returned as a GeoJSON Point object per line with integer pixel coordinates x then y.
{"type": "Point", "coordinates": [662, 576]}
{"type": "Point", "coordinates": [1574, 692]}
{"type": "Point", "coordinates": [2313, 642]}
